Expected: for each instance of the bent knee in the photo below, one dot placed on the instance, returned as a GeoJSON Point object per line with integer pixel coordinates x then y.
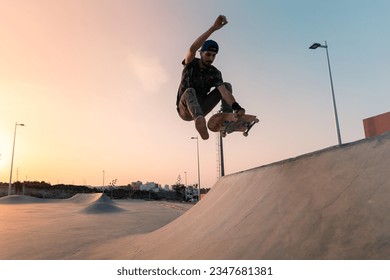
{"type": "Point", "coordinates": [189, 93]}
{"type": "Point", "coordinates": [228, 86]}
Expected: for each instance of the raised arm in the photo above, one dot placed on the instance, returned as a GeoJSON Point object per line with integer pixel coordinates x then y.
{"type": "Point", "coordinates": [218, 24]}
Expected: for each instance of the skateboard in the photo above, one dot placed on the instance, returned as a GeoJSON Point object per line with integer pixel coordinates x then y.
{"type": "Point", "coordinates": [227, 123]}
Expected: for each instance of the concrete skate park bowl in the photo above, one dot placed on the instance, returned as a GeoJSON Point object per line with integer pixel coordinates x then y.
{"type": "Point", "coordinates": [330, 204]}
{"type": "Point", "coordinates": [55, 229]}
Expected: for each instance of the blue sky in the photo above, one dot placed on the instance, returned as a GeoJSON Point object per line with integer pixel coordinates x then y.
{"type": "Point", "coordinates": [96, 81]}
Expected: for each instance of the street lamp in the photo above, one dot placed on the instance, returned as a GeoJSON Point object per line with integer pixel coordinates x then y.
{"type": "Point", "coordinates": [313, 47]}
{"type": "Point", "coordinates": [12, 160]}
{"type": "Point", "coordinates": [103, 180]}
{"type": "Point", "coordinates": [197, 148]}
{"type": "Point", "coordinates": [221, 157]}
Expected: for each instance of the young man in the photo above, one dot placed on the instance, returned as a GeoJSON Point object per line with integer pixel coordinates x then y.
{"type": "Point", "coordinates": [194, 98]}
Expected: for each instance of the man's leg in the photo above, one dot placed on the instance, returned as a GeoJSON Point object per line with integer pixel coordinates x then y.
{"type": "Point", "coordinates": [213, 99]}
{"type": "Point", "coordinates": [189, 109]}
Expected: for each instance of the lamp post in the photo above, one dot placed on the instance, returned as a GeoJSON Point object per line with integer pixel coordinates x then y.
{"type": "Point", "coordinates": [221, 157]}
{"type": "Point", "coordinates": [313, 47]}
{"type": "Point", "coordinates": [12, 160]}
{"type": "Point", "coordinates": [197, 148]}
{"type": "Point", "coordinates": [103, 180]}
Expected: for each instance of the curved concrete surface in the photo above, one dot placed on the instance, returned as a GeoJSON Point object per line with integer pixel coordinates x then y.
{"type": "Point", "coordinates": [331, 204]}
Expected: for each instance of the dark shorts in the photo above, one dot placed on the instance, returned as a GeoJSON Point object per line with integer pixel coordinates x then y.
{"type": "Point", "coordinates": [190, 106]}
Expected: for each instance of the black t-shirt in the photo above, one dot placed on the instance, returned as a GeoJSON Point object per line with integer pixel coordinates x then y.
{"type": "Point", "coordinates": [200, 79]}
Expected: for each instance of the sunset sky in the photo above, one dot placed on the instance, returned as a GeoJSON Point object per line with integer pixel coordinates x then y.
{"type": "Point", "coordinates": [95, 83]}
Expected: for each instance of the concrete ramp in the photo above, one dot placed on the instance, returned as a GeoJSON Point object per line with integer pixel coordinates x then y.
{"type": "Point", "coordinates": [20, 199]}
{"type": "Point", "coordinates": [101, 208]}
{"type": "Point", "coordinates": [97, 203]}
{"type": "Point", "coordinates": [84, 198]}
{"type": "Point", "coordinates": [331, 204]}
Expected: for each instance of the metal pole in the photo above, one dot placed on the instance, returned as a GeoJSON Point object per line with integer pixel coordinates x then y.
{"type": "Point", "coordinates": [103, 181]}
{"type": "Point", "coordinates": [12, 160]}
{"type": "Point", "coordinates": [221, 158]}
{"type": "Point", "coordinates": [197, 148]}
{"type": "Point", "coordinates": [333, 98]}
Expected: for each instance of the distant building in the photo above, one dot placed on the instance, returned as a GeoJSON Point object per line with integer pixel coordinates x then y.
{"type": "Point", "coordinates": [135, 186]}
{"type": "Point", "coordinates": [150, 186]}
{"type": "Point", "coordinates": [377, 125]}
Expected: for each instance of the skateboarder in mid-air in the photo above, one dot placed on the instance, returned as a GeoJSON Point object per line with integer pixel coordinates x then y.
{"type": "Point", "coordinates": [194, 98]}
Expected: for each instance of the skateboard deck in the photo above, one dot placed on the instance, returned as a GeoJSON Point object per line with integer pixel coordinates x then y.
{"type": "Point", "coordinates": [227, 123]}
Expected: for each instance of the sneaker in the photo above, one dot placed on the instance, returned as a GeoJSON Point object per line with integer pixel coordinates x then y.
{"type": "Point", "coordinates": [200, 125]}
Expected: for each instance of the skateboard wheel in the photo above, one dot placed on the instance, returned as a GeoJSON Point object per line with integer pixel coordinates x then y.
{"type": "Point", "coordinates": [245, 134]}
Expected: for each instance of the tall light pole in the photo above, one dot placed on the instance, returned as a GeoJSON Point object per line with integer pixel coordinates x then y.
{"type": "Point", "coordinates": [221, 157]}
{"type": "Point", "coordinates": [313, 47]}
{"type": "Point", "coordinates": [197, 148]}
{"type": "Point", "coordinates": [12, 160]}
{"type": "Point", "coordinates": [103, 180]}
